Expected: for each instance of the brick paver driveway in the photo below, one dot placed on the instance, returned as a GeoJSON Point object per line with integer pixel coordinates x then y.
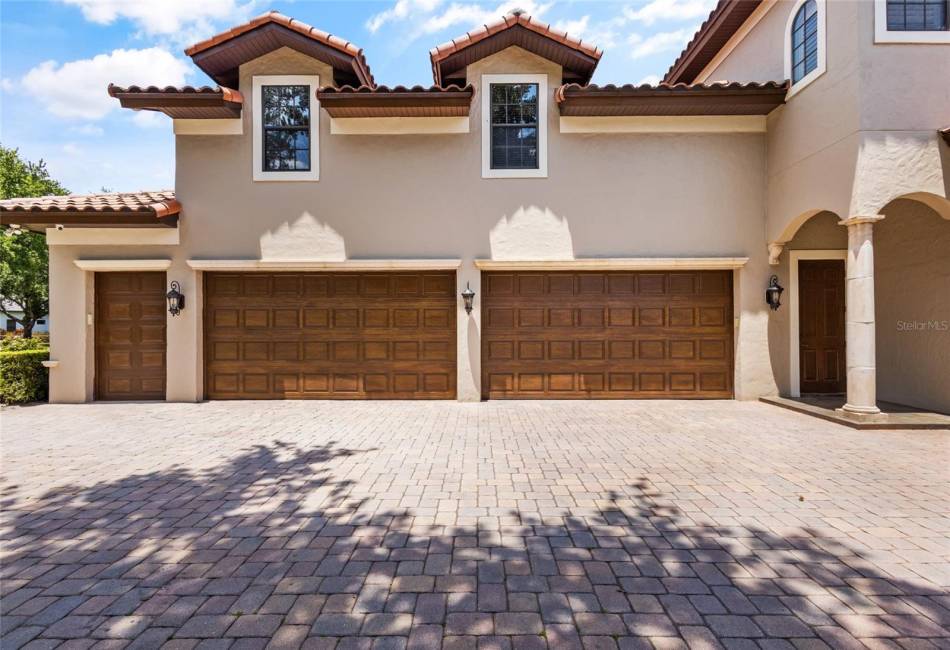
{"type": "Point", "coordinates": [502, 525]}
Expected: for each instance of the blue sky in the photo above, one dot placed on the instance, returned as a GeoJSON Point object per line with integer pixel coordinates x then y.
{"type": "Point", "coordinates": [58, 56]}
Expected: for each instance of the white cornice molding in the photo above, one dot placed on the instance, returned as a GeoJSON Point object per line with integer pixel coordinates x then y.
{"type": "Point", "coordinates": [123, 265]}
{"type": "Point", "coordinates": [331, 265]}
{"type": "Point", "coordinates": [616, 264]}
{"type": "Point", "coordinates": [398, 125]}
{"type": "Point", "coordinates": [113, 237]}
{"type": "Point", "coordinates": [664, 124]}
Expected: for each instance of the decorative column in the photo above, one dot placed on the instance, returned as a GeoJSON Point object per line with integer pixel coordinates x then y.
{"type": "Point", "coordinates": [859, 324]}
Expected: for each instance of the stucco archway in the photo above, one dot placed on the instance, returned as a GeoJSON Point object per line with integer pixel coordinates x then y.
{"type": "Point", "coordinates": [788, 232]}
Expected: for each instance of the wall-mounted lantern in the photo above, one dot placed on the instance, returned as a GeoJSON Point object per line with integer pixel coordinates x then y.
{"type": "Point", "coordinates": [468, 297]}
{"type": "Point", "coordinates": [176, 299]}
{"type": "Point", "coordinates": [773, 295]}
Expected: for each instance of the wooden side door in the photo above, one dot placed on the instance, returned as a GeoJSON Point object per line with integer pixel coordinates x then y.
{"type": "Point", "coordinates": [130, 336]}
{"type": "Point", "coordinates": [821, 326]}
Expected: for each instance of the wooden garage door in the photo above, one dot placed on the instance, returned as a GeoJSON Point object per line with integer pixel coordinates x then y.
{"type": "Point", "coordinates": [607, 335]}
{"type": "Point", "coordinates": [330, 335]}
{"type": "Point", "coordinates": [130, 336]}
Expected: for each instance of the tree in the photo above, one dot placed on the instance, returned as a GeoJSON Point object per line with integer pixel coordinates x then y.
{"type": "Point", "coordinates": [24, 259]}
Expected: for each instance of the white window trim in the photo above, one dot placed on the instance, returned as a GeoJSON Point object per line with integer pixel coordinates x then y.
{"type": "Point", "coordinates": [542, 81]}
{"type": "Point", "coordinates": [258, 82]}
{"type": "Point", "coordinates": [822, 48]}
{"type": "Point", "coordinates": [794, 356]}
{"type": "Point", "coordinates": [883, 35]}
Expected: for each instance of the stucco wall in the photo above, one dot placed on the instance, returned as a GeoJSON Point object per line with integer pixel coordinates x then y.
{"type": "Point", "coordinates": [414, 196]}
{"type": "Point", "coordinates": [912, 285]}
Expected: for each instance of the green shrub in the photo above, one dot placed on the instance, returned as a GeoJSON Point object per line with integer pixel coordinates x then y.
{"type": "Point", "coordinates": [17, 343]}
{"type": "Point", "coordinates": [23, 378]}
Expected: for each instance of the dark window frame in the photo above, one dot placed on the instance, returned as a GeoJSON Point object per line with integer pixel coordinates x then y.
{"type": "Point", "coordinates": [805, 53]}
{"type": "Point", "coordinates": [939, 13]}
{"type": "Point", "coordinates": [509, 126]}
{"type": "Point", "coordinates": [301, 127]}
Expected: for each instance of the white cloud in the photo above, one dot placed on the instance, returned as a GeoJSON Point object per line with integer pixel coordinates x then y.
{"type": "Point", "coordinates": [7, 84]}
{"type": "Point", "coordinates": [149, 119]}
{"type": "Point", "coordinates": [670, 10]}
{"type": "Point", "coordinates": [425, 18]}
{"type": "Point", "coordinates": [659, 42]}
{"type": "Point", "coordinates": [651, 79]}
{"type": "Point", "coordinates": [186, 20]}
{"type": "Point", "coordinates": [71, 149]}
{"type": "Point", "coordinates": [400, 11]}
{"type": "Point", "coordinates": [77, 89]}
{"type": "Point", "coordinates": [87, 129]}
{"type": "Point", "coordinates": [574, 27]}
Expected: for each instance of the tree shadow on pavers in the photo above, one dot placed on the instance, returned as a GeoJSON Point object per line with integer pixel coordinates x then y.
{"type": "Point", "coordinates": [277, 545]}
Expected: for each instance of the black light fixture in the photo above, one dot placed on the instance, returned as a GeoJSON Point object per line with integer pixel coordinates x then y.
{"type": "Point", "coordinates": [176, 299]}
{"type": "Point", "coordinates": [468, 297]}
{"type": "Point", "coordinates": [773, 295]}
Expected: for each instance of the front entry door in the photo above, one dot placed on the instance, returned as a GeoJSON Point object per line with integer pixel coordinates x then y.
{"type": "Point", "coordinates": [821, 326]}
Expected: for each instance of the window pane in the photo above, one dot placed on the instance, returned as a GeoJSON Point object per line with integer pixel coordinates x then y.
{"type": "Point", "coordinates": [804, 41]}
{"type": "Point", "coordinates": [917, 15]}
{"type": "Point", "coordinates": [286, 124]}
{"type": "Point", "coordinates": [514, 119]}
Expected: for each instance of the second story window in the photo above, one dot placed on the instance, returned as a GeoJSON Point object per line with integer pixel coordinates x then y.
{"type": "Point", "coordinates": [805, 41]}
{"type": "Point", "coordinates": [286, 128]}
{"type": "Point", "coordinates": [286, 121]}
{"type": "Point", "coordinates": [917, 15]}
{"type": "Point", "coordinates": [514, 125]}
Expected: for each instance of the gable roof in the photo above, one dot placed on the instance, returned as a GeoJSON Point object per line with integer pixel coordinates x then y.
{"type": "Point", "coordinates": [576, 57]}
{"type": "Point", "coordinates": [221, 55]}
{"type": "Point", "coordinates": [724, 21]}
{"type": "Point", "coordinates": [159, 208]}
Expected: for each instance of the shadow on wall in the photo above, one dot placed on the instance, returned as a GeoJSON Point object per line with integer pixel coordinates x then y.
{"type": "Point", "coordinates": [276, 533]}
{"type": "Point", "coordinates": [531, 233]}
{"type": "Point", "coordinates": [912, 313]}
{"type": "Point", "coordinates": [304, 239]}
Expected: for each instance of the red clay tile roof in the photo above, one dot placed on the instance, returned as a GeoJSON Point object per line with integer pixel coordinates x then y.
{"type": "Point", "coordinates": [724, 21]}
{"type": "Point", "coordinates": [671, 99]}
{"type": "Point", "coordinates": [588, 55]}
{"type": "Point", "coordinates": [120, 208]}
{"type": "Point", "coordinates": [343, 46]}
{"type": "Point", "coordinates": [398, 101]}
{"type": "Point", "coordinates": [181, 102]}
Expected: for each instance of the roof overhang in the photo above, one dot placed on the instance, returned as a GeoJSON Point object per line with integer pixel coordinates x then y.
{"type": "Point", "coordinates": [724, 21]}
{"type": "Point", "coordinates": [945, 134]}
{"type": "Point", "coordinates": [129, 210]}
{"type": "Point", "coordinates": [578, 59]}
{"type": "Point", "coordinates": [381, 101]}
{"type": "Point", "coordinates": [667, 100]}
{"type": "Point", "coordinates": [222, 55]}
{"type": "Point", "coordinates": [202, 103]}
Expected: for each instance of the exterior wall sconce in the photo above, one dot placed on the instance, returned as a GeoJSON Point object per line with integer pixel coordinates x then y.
{"type": "Point", "coordinates": [773, 295]}
{"type": "Point", "coordinates": [468, 298]}
{"type": "Point", "coordinates": [176, 299]}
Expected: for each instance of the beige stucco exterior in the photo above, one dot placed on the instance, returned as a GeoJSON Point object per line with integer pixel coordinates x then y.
{"type": "Point", "coordinates": [606, 195]}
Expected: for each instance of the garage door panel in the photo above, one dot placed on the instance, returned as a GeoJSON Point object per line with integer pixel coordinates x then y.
{"type": "Point", "coordinates": [326, 335]}
{"type": "Point", "coordinates": [563, 334]}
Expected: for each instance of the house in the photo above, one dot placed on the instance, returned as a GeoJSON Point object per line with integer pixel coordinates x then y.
{"type": "Point", "coordinates": [11, 315]}
{"type": "Point", "coordinates": [516, 232]}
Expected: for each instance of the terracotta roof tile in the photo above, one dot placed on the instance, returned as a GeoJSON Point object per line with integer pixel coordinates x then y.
{"type": "Point", "coordinates": [719, 98]}
{"type": "Point", "coordinates": [506, 22]}
{"type": "Point", "coordinates": [274, 17]}
{"type": "Point", "coordinates": [439, 54]}
{"type": "Point", "coordinates": [158, 205]}
{"type": "Point", "coordinates": [396, 101]}
{"type": "Point", "coordinates": [226, 94]}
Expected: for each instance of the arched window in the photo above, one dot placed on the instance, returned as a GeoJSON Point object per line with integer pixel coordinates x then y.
{"type": "Point", "coordinates": [804, 41]}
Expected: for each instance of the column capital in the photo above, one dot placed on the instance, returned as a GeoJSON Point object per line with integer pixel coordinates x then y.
{"type": "Point", "coordinates": [858, 219]}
